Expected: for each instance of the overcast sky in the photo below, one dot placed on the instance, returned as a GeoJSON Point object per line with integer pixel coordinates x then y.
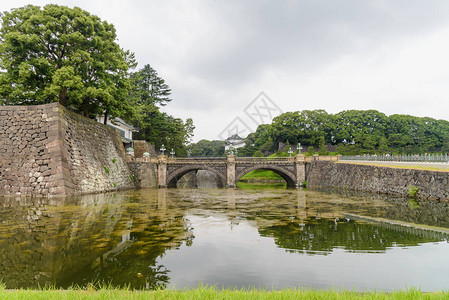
{"type": "Point", "coordinates": [218, 56]}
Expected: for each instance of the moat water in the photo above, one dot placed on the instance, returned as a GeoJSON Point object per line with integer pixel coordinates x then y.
{"type": "Point", "coordinates": [247, 237]}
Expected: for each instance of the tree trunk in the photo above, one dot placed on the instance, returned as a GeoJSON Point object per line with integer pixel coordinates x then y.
{"type": "Point", "coordinates": [63, 97]}
{"type": "Point", "coordinates": [105, 121]}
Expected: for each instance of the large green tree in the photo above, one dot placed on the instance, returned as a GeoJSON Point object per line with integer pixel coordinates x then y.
{"type": "Point", "coordinates": [65, 55]}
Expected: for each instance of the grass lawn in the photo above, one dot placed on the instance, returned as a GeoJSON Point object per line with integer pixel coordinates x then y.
{"type": "Point", "coordinates": [213, 293]}
{"type": "Point", "coordinates": [261, 175]}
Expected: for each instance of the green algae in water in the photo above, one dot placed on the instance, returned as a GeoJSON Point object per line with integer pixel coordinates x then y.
{"type": "Point", "coordinates": [163, 234]}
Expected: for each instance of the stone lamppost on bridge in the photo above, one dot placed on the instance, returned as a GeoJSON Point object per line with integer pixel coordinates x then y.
{"type": "Point", "coordinates": [300, 162]}
{"type": "Point", "coordinates": [299, 148]}
{"type": "Point", "coordinates": [162, 169]}
{"type": "Point", "coordinates": [163, 149]}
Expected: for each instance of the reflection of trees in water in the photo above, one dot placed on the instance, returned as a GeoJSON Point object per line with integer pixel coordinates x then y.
{"type": "Point", "coordinates": [321, 236]}
{"type": "Point", "coordinates": [142, 233]}
{"type": "Point", "coordinates": [101, 238]}
{"type": "Point", "coordinates": [136, 266]}
{"type": "Point", "coordinates": [118, 239]}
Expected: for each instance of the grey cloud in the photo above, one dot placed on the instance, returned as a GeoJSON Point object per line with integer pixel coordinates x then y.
{"type": "Point", "coordinates": [303, 35]}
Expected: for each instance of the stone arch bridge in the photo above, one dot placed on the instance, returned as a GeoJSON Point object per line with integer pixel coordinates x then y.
{"type": "Point", "coordinates": [165, 171]}
{"type": "Point", "coordinates": [230, 169]}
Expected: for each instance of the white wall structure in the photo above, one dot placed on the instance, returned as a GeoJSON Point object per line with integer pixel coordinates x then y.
{"type": "Point", "coordinates": [126, 130]}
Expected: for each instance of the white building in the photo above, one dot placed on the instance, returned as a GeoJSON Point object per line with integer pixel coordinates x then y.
{"type": "Point", "coordinates": [126, 130]}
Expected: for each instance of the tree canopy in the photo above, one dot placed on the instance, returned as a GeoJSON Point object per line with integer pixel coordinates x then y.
{"type": "Point", "coordinates": [351, 132]}
{"type": "Point", "coordinates": [65, 55]}
{"type": "Point", "coordinates": [207, 148]}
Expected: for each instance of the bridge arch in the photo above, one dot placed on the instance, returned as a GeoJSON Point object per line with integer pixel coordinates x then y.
{"type": "Point", "coordinates": [175, 175]}
{"type": "Point", "coordinates": [287, 175]}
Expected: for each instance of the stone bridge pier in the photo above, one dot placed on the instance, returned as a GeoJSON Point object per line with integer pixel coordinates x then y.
{"type": "Point", "coordinates": [231, 168]}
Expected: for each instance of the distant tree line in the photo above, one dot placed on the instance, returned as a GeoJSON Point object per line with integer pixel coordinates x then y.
{"type": "Point", "coordinates": [207, 148]}
{"type": "Point", "coordinates": [349, 132]}
{"type": "Point", "coordinates": [67, 55]}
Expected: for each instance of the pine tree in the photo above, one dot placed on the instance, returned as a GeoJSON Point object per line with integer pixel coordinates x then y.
{"type": "Point", "coordinates": [148, 88]}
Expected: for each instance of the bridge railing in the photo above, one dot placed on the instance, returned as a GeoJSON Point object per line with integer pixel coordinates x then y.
{"type": "Point", "coordinates": [238, 159]}
{"type": "Point", "coordinates": [218, 158]}
{"type": "Point", "coordinates": [192, 159]}
{"type": "Point", "coordinates": [430, 158]}
{"type": "Point", "coordinates": [261, 159]}
{"type": "Point", "coordinates": [224, 159]}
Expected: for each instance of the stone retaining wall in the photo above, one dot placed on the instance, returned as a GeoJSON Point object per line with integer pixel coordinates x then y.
{"type": "Point", "coordinates": [140, 147]}
{"type": "Point", "coordinates": [46, 150]}
{"type": "Point", "coordinates": [28, 150]}
{"type": "Point", "coordinates": [144, 173]}
{"type": "Point", "coordinates": [432, 185]}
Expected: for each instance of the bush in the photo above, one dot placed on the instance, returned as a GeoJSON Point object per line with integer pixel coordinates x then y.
{"type": "Point", "coordinates": [412, 191]}
{"type": "Point", "coordinates": [310, 151]}
{"type": "Point", "coordinates": [258, 153]}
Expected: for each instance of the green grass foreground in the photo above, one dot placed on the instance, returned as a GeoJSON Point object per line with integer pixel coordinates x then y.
{"type": "Point", "coordinates": [261, 174]}
{"type": "Point", "coordinates": [213, 293]}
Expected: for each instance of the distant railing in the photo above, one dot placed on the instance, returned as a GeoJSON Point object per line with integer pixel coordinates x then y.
{"type": "Point", "coordinates": [430, 158]}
